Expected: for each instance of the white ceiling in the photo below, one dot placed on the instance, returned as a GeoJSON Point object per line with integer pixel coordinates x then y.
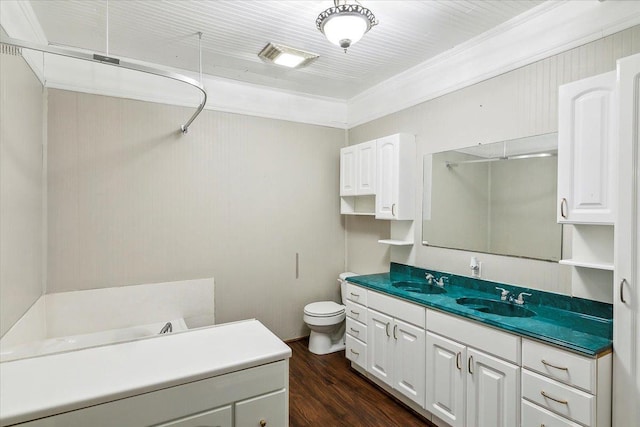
{"type": "Point", "coordinates": [164, 32]}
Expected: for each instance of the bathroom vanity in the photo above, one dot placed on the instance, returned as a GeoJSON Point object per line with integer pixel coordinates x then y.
{"type": "Point", "coordinates": [234, 374]}
{"type": "Point", "coordinates": [461, 356]}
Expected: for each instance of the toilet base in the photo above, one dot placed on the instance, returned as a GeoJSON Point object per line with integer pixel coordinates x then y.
{"type": "Point", "coordinates": [322, 343]}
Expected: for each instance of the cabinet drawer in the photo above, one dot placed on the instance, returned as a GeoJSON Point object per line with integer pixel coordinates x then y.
{"type": "Point", "coordinates": [408, 312]}
{"type": "Point", "coordinates": [569, 402]}
{"type": "Point", "coordinates": [356, 294]}
{"type": "Point", "coordinates": [356, 311]}
{"type": "Point", "coordinates": [268, 409]}
{"type": "Point", "coordinates": [499, 343]}
{"type": "Point", "coordinates": [569, 368]}
{"type": "Point", "coordinates": [357, 330]}
{"type": "Point", "coordinates": [356, 351]}
{"type": "Point", "coordinates": [218, 417]}
{"type": "Point", "coordinates": [535, 416]}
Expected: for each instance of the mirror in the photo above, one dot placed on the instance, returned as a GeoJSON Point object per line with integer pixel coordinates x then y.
{"type": "Point", "coordinates": [495, 198]}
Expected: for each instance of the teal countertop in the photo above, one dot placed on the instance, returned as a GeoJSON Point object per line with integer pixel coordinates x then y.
{"type": "Point", "coordinates": [576, 324]}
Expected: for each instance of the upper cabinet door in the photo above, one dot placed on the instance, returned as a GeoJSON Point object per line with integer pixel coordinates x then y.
{"type": "Point", "coordinates": [366, 169]}
{"type": "Point", "coordinates": [348, 171]}
{"type": "Point", "coordinates": [587, 132]}
{"type": "Point", "coordinates": [395, 197]}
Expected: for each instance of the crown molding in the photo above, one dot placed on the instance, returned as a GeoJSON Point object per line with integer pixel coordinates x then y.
{"type": "Point", "coordinates": [20, 21]}
{"type": "Point", "coordinates": [546, 30]}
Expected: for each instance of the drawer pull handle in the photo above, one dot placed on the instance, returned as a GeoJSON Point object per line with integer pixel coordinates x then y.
{"type": "Point", "coordinates": [622, 282]}
{"type": "Point", "coordinates": [564, 402]}
{"type": "Point", "coordinates": [470, 364]}
{"type": "Point", "coordinates": [545, 363]}
{"type": "Point", "coordinates": [355, 295]}
{"type": "Point", "coordinates": [459, 361]}
{"type": "Point", "coordinates": [393, 209]}
{"type": "Point", "coordinates": [355, 352]}
{"type": "Point", "coordinates": [395, 332]}
{"type": "Point", "coordinates": [355, 313]}
{"type": "Point", "coordinates": [386, 329]}
{"type": "Point", "coordinates": [355, 331]}
{"type": "Point", "coordinates": [563, 205]}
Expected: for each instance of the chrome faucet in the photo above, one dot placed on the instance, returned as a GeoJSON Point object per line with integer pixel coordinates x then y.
{"type": "Point", "coordinates": [168, 327]}
{"type": "Point", "coordinates": [520, 300]}
{"type": "Point", "coordinates": [441, 281]}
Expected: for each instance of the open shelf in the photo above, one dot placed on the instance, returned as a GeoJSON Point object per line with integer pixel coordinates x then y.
{"type": "Point", "coordinates": [394, 242]}
{"type": "Point", "coordinates": [587, 264]}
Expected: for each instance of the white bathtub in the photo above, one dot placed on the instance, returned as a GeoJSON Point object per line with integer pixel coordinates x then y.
{"type": "Point", "coordinates": [74, 320]}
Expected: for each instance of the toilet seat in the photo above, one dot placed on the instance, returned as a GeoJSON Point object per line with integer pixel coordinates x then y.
{"type": "Point", "coordinates": [323, 309]}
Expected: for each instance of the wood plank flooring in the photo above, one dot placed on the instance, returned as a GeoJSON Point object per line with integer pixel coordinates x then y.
{"type": "Point", "coordinates": [325, 391]}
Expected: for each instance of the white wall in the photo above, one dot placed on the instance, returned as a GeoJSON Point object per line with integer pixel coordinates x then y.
{"type": "Point", "coordinates": [516, 104]}
{"type": "Point", "coordinates": [131, 201]}
{"type": "Point", "coordinates": [21, 138]}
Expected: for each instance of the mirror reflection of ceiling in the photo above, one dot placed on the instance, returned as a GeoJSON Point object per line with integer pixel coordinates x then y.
{"type": "Point", "coordinates": [494, 198]}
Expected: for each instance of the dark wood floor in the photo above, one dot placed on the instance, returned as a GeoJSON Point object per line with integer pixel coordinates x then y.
{"type": "Point", "coordinates": [325, 391]}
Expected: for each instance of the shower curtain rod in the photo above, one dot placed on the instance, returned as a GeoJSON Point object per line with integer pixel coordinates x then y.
{"type": "Point", "coordinates": [115, 62]}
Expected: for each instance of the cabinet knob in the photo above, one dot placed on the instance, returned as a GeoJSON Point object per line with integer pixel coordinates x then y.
{"type": "Point", "coordinates": [263, 423]}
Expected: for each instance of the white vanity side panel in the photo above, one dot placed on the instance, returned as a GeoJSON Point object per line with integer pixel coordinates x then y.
{"type": "Point", "coordinates": [499, 343]}
{"type": "Point", "coordinates": [408, 312]}
{"type": "Point", "coordinates": [174, 402]}
{"type": "Point", "coordinates": [569, 368]}
{"type": "Point", "coordinates": [605, 392]}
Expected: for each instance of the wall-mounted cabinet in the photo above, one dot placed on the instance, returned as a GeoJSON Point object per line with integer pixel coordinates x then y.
{"type": "Point", "coordinates": [395, 197]}
{"type": "Point", "coordinates": [587, 135]}
{"type": "Point", "coordinates": [378, 178]}
{"type": "Point", "coordinates": [587, 195]}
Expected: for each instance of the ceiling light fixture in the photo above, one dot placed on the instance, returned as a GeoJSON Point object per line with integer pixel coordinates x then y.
{"type": "Point", "coordinates": [286, 56]}
{"type": "Point", "coordinates": [344, 24]}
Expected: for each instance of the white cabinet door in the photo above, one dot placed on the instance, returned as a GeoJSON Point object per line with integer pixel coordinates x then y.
{"type": "Point", "coordinates": [446, 373]}
{"type": "Point", "coordinates": [380, 346]}
{"type": "Point", "coordinates": [409, 361]}
{"type": "Point", "coordinates": [395, 195]}
{"type": "Point", "coordinates": [366, 168]}
{"type": "Point", "coordinates": [587, 139]}
{"type": "Point", "coordinates": [493, 391]}
{"type": "Point", "coordinates": [263, 411]}
{"type": "Point", "coordinates": [386, 198]}
{"type": "Point", "coordinates": [221, 417]}
{"type": "Point", "coordinates": [348, 165]}
{"type": "Point", "coordinates": [626, 300]}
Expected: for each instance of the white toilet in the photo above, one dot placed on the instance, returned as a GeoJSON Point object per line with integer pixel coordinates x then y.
{"type": "Point", "coordinates": [326, 321]}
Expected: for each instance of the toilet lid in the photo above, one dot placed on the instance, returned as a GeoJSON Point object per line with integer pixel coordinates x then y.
{"type": "Point", "coordinates": [323, 309]}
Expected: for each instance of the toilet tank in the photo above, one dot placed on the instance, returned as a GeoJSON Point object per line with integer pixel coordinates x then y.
{"type": "Point", "coordinates": [342, 279]}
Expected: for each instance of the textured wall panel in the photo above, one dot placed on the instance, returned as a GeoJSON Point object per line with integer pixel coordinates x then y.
{"type": "Point", "coordinates": [20, 189]}
{"type": "Point", "coordinates": [131, 201]}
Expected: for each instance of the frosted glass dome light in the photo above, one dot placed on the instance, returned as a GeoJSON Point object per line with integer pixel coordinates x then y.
{"type": "Point", "coordinates": [345, 24]}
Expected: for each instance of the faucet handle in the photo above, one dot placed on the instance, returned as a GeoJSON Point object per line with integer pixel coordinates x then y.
{"type": "Point", "coordinates": [521, 296]}
{"type": "Point", "coordinates": [429, 278]}
{"type": "Point", "coordinates": [503, 294]}
{"type": "Point", "coordinates": [441, 281]}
